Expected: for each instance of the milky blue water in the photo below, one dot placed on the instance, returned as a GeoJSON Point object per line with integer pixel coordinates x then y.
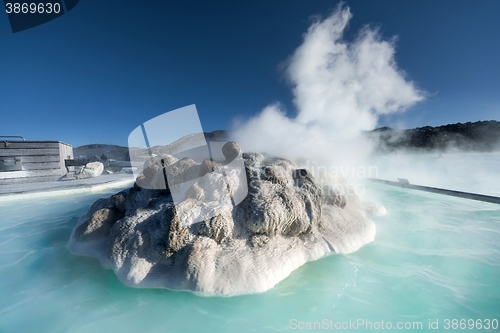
{"type": "Point", "coordinates": [434, 259]}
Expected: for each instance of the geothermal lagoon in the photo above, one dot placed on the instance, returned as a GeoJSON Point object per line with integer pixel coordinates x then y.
{"type": "Point", "coordinates": [434, 259]}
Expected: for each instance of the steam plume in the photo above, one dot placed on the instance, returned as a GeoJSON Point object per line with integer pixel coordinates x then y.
{"type": "Point", "coordinates": [340, 89]}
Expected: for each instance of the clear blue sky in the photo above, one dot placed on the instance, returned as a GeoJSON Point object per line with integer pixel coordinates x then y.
{"type": "Point", "coordinates": [94, 74]}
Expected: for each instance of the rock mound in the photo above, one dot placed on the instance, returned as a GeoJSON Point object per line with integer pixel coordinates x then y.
{"type": "Point", "coordinates": [285, 220]}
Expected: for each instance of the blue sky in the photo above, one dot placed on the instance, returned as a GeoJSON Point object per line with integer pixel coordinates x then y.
{"type": "Point", "coordinates": [96, 73]}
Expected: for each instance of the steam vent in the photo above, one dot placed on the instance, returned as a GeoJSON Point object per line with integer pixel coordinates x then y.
{"type": "Point", "coordinates": [206, 244]}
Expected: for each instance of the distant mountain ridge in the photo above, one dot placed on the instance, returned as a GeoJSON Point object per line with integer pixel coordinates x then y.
{"type": "Point", "coordinates": [115, 152]}
{"type": "Point", "coordinates": [480, 136]}
{"type": "Point", "coordinates": [120, 153]}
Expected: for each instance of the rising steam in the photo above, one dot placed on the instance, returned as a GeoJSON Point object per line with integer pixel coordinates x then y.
{"type": "Point", "coordinates": [340, 89]}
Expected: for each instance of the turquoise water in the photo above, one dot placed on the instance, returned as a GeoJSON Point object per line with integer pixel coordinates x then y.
{"type": "Point", "coordinates": [434, 258]}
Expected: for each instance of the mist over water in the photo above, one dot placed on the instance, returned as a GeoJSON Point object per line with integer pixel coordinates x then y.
{"type": "Point", "coordinates": [462, 171]}
{"type": "Point", "coordinates": [341, 87]}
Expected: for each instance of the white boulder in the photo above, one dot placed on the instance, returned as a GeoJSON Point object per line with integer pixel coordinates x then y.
{"type": "Point", "coordinates": [91, 170]}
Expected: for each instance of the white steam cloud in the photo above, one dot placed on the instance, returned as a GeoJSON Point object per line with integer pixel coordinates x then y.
{"type": "Point", "coordinates": [341, 88]}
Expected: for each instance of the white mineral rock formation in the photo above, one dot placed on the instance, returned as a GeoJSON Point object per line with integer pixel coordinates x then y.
{"type": "Point", "coordinates": [91, 170]}
{"type": "Point", "coordinates": [286, 220]}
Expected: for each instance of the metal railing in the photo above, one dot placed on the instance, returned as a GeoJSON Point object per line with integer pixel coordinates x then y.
{"type": "Point", "coordinates": [12, 136]}
{"type": "Point", "coordinates": [404, 183]}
